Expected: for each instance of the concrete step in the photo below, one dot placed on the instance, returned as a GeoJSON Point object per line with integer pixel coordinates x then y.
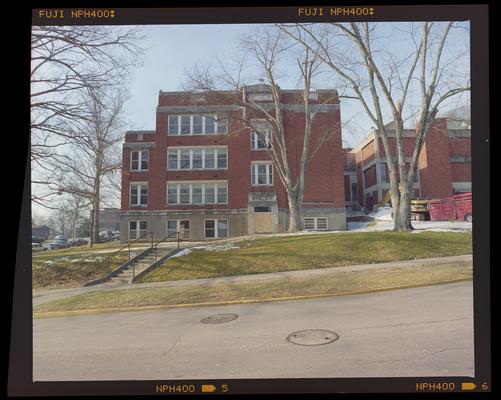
{"type": "Point", "coordinates": [125, 275]}
{"type": "Point", "coordinates": [120, 280]}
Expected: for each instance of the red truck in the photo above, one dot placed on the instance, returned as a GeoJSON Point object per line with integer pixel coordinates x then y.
{"type": "Point", "coordinates": [457, 207]}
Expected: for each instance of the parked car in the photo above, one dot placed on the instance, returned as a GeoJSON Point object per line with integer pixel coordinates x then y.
{"type": "Point", "coordinates": [78, 242]}
{"type": "Point", "coordinates": [37, 247]}
{"type": "Point", "coordinates": [37, 239]}
{"type": "Point", "coordinates": [107, 236]}
{"type": "Point", "coordinates": [59, 242]}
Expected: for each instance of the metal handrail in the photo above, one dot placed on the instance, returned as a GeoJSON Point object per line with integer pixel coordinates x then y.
{"type": "Point", "coordinates": [173, 234]}
{"type": "Point", "coordinates": [155, 247]}
{"type": "Point", "coordinates": [108, 259]}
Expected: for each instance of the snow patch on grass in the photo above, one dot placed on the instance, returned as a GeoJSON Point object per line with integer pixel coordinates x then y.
{"type": "Point", "coordinates": [419, 226]}
{"type": "Point", "coordinates": [181, 253]}
{"type": "Point", "coordinates": [382, 213]}
{"type": "Point", "coordinates": [225, 246]}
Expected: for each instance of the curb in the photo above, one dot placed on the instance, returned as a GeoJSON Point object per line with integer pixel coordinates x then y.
{"type": "Point", "coordinates": [53, 314]}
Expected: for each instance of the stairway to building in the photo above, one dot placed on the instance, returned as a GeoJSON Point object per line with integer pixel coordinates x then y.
{"type": "Point", "coordinates": [126, 275]}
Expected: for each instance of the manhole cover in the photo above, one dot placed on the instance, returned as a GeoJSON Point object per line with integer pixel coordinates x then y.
{"type": "Point", "coordinates": [312, 337]}
{"type": "Point", "coordinates": [219, 318]}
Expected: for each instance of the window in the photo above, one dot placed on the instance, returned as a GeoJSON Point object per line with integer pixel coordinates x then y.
{"type": "Point", "coordinates": [138, 194]}
{"type": "Point", "coordinates": [197, 193]}
{"type": "Point", "coordinates": [309, 223]}
{"type": "Point", "coordinates": [222, 194]}
{"type": "Point", "coordinates": [383, 172]}
{"type": "Point", "coordinates": [260, 140]}
{"type": "Point", "coordinates": [222, 158]}
{"type": "Point", "coordinates": [222, 126]}
{"type": "Point", "coordinates": [184, 159]}
{"type": "Point", "coordinates": [210, 124]}
{"type": "Point", "coordinates": [139, 160]}
{"type": "Point", "coordinates": [262, 209]}
{"type": "Point", "coordinates": [172, 159]}
{"type": "Point", "coordinates": [185, 124]}
{"type": "Point", "coordinates": [172, 194]}
{"type": "Point", "coordinates": [178, 225]}
{"type": "Point", "coordinates": [354, 192]}
{"type": "Point", "coordinates": [196, 125]}
{"type": "Point", "coordinates": [210, 162]}
{"type": "Point", "coordinates": [216, 228]}
{"type": "Point", "coordinates": [137, 229]}
{"type": "Point", "coordinates": [173, 124]}
{"type": "Point", "coordinates": [210, 194]}
{"type": "Point", "coordinates": [184, 194]}
{"type": "Point", "coordinates": [222, 228]}
{"type": "Point", "coordinates": [197, 158]}
{"type": "Point", "coordinates": [315, 224]}
{"type": "Point", "coordinates": [262, 174]}
{"type": "Point", "coordinates": [321, 223]}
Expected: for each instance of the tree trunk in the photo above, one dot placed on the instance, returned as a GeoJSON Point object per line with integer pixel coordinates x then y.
{"type": "Point", "coordinates": [96, 216]}
{"type": "Point", "coordinates": [295, 224]}
{"type": "Point", "coordinates": [403, 212]}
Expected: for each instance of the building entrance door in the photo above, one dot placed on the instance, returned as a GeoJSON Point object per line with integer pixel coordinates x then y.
{"type": "Point", "coordinates": [263, 220]}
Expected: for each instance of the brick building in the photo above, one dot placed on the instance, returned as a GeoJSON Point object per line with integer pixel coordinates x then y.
{"type": "Point", "coordinates": [201, 172]}
{"type": "Point", "coordinates": [444, 164]}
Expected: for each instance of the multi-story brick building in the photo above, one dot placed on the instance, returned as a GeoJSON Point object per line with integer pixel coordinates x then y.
{"type": "Point", "coordinates": [444, 164]}
{"type": "Point", "coordinates": [201, 172]}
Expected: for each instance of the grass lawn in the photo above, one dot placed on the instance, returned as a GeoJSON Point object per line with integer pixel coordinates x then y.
{"type": "Point", "coordinates": [99, 248]}
{"type": "Point", "coordinates": [73, 266]}
{"type": "Point", "coordinates": [277, 288]}
{"type": "Point", "coordinates": [66, 271]}
{"type": "Point", "coordinates": [311, 251]}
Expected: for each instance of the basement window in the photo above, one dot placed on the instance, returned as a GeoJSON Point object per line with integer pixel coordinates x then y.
{"type": "Point", "coordinates": [216, 228]}
{"type": "Point", "coordinates": [315, 224]}
{"type": "Point", "coordinates": [178, 225]}
{"type": "Point", "coordinates": [137, 229]}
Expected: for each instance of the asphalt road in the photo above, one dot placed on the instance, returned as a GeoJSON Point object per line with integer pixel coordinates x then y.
{"type": "Point", "coordinates": [425, 331]}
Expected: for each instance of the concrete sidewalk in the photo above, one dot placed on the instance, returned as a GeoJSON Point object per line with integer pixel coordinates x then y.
{"type": "Point", "coordinates": [40, 297]}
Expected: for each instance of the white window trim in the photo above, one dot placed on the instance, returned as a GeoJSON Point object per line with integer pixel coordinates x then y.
{"type": "Point", "coordinates": [216, 233]}
{"type": "Point", "coordinates": [254, 139]}
{"type": "Point", "coordinates": [141, 185]}
{"type": "Point", "coordinates": [178, 226]}
{"type": "Point", "coordinates": [191, 149]}
{"type": "Point", "coordinates": [315, 223]}
{"type": "Point", "coordinates": [269, 166]}
{"type": "Point", "coordinates": [204, 116]}
{"type": "Point", "coordinates": [138, 225]}
{"type": "Point", "coordinates": [191, 184]}
{"type": "Point", "coordinates": [139, 162]}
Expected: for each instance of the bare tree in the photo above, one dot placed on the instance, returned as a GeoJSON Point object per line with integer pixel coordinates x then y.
{"type": "Point", "coordinates": [371, 72]}
{"type": "Point", "coordinates": [94, 153]}
{"type": "Point", "coordinates": [67, 62]}
{"type": "Point", "coordinates": [268, 47]}
{"type": "Point", "coordinates": [72, 210]}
